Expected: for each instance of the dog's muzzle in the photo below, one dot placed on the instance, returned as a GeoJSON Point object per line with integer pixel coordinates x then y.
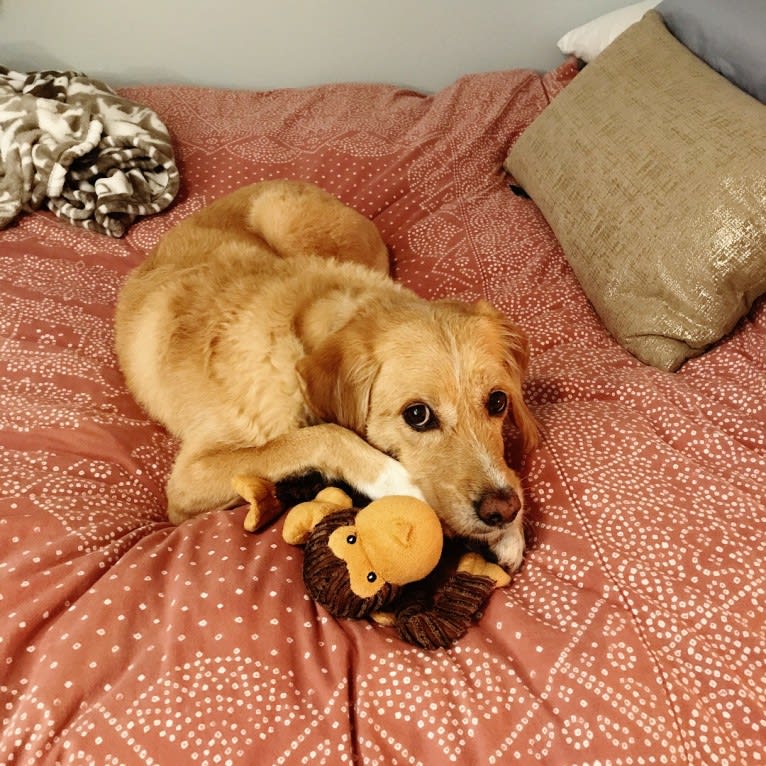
{"type": "Point", "coordinates": [498, 508]}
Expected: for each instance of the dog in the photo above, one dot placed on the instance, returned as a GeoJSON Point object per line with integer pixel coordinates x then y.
{"type": "Point", "coordinates": [265, 332]}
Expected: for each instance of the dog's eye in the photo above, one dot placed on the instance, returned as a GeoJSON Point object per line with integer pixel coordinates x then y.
{"type": "Point", "coordinates": [420, 417]}
{"type": "Point", "coordinates": [497, 402]}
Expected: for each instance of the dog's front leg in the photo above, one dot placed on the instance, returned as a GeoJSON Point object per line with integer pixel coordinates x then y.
{"type": "Point", "coordinates": [201, 479]}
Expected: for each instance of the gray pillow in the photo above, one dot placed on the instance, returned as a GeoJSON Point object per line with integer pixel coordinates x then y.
{"type": "Point", "coordinates": [730, 37]}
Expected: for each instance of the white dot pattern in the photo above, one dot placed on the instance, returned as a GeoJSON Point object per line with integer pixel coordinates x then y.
{"type": "Point", "coordinates": [633, 634]}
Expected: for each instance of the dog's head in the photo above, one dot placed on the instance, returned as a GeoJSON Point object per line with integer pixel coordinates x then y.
{"type": "Point", "coordinates": [433, 384]}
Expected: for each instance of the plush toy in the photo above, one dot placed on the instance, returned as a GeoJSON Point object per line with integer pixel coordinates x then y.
{"type": "Point", "coordinates": [374, 562]}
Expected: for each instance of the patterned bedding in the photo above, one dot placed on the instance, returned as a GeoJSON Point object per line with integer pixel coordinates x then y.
{"type": "Point", "coordinates": [633, 634]}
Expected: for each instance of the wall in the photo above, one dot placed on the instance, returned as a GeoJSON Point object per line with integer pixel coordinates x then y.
{"type": "Point", "coordinates": [423, 44]}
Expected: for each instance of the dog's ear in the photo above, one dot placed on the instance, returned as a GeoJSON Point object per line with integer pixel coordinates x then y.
{"type": "Point", "coordinates": [337, 377]}
{"type": "Point", "coordinates": [516, 349]}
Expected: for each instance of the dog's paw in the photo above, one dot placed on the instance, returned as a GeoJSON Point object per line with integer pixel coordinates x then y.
{"type": "Point", "coordinates": [509, 548]}
{"type": "Point", "coordinates": [393, 479]}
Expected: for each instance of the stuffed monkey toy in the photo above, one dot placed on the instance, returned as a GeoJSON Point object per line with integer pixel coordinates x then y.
{"type": "Point", "coordinates": [373, 561]}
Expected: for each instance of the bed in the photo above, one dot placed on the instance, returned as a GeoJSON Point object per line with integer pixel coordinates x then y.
{"type": "Point", "coordinates": [634, 632]}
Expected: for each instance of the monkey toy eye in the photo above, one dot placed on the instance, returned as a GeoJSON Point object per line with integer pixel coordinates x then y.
{"type": "Point", "coordinates": [351, 539]}
{"type": "Point", "coordinates": [371, 577]}
{"type": "Point", "coordinates": [420, 417]}
{"type": "Point", "coordinates": [497, 403]}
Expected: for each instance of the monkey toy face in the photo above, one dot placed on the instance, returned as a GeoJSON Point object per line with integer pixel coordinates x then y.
{"type": "Point", "coordinates": [355, 562]}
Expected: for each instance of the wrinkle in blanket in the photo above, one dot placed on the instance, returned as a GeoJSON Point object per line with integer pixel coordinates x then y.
{"type": "Point", "coordinates": [70, 143]}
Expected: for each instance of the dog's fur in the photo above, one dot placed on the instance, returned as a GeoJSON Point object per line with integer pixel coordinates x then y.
{"type": "Point", "coordinates": [265, 333]}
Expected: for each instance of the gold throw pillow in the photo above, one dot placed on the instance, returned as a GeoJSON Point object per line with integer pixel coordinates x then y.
{"type": "Point", "coordinates": [650, 167]}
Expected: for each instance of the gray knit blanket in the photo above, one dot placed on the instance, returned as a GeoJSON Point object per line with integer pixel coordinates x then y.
{"type": "Point", "coordinates": [70, 143]}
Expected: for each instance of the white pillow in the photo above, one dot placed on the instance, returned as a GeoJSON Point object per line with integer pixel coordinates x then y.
{"type": "Point", "coordinates": [588, 40]}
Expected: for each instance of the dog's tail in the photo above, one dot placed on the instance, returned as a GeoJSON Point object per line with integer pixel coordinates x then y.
{"type": "Point", "coordinates": [290, 217]}
{"type": "Point", "coordinates": [295, 217]}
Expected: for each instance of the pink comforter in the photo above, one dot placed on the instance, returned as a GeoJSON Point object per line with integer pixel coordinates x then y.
{"type": "Point", "coordinates": [633, 634]}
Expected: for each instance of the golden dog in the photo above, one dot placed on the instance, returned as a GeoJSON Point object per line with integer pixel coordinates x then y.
{"type": "Point", "coordinates": [265, 333]}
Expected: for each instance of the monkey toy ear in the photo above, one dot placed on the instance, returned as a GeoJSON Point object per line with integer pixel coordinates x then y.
{"type": "Point", "coordinates": [302, 519]}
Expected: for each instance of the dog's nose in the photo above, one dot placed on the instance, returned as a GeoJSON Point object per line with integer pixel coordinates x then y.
{"type": "Point", "coordinates": [498, 507]}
